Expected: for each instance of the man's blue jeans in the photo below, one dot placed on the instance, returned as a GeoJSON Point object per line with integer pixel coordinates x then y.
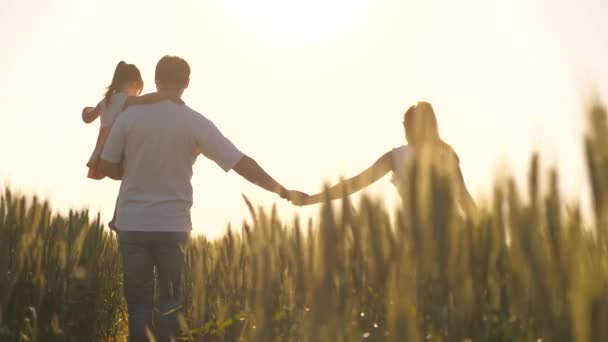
{"type": "Point", "coordinates": [142, 253]}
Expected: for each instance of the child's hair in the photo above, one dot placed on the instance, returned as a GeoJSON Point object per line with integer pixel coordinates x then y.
{"type": "Point", "coordinates": [124, 73]}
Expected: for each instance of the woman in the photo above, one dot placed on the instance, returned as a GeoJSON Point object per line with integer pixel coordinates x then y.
{"type": "Point", "coordinates": [422, 135]}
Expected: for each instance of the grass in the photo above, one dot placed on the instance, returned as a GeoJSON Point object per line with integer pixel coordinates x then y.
{"type": "Point", "coordinates": [525, 267]}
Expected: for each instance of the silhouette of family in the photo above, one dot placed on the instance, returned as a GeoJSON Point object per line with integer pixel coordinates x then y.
{"type": "Point", "coordinates": [150, 144]}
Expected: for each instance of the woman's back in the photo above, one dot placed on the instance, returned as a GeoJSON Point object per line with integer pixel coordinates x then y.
{"type": "Point", "coordinates": [416, 169]}
{"type": "Point", "coordinates": [440, 154]}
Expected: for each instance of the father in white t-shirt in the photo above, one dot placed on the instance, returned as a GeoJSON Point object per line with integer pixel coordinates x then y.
{"type": "Point", "coordinates": [152, 148]}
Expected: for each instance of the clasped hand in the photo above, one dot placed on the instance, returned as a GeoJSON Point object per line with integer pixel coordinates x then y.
{"type": "Point", "coordinates": [300, 198]}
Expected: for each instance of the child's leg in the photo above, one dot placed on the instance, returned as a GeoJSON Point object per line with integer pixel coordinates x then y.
{"type": "Point", "coordinates": [112, 223]}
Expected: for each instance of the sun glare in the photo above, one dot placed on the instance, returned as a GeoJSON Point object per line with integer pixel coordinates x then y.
{"type": "Point", "coordinates": [295, 22]}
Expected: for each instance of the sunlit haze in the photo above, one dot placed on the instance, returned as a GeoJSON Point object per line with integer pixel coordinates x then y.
{"type": "Point", "coordinates": [313, 90]}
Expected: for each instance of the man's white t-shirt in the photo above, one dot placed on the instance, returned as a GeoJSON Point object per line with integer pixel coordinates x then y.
{"type": "Point", "coordinates": [158, 144]}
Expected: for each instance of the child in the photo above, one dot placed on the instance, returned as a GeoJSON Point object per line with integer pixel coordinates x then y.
{"type": "Point", "coordinates": [126, 82]}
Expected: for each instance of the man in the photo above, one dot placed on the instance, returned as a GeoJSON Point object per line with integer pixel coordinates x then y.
{"type": "Point", "coordinates": [152, 148]}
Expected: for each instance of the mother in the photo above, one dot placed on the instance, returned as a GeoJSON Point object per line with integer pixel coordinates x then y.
{"type": "Point", "coordinates": [422, 135]}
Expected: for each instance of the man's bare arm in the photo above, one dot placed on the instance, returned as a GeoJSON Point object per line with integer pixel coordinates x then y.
{"type": "Point", "coordinates": [251, 171]}
{"type": "Point", "coordinates": [112, 170]}
{"type": "Point", "coordinates": [152, 98]}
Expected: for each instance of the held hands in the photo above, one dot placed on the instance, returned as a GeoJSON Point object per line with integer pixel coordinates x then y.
{"type": "Point", "coordinates": [300, 198]}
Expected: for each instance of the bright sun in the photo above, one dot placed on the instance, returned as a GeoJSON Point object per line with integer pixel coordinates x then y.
{"type": "Point", "coordinates": [296, 22]}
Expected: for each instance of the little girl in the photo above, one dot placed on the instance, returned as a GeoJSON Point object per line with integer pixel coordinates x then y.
{"type": "Point", "coordinates": [126, 82]}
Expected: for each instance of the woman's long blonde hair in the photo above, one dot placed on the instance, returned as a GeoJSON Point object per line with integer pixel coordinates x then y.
{"type": "Point", "coordinates": [420, 124]}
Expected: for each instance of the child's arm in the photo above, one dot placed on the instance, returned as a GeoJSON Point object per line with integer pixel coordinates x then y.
{"type": "Point", "coordinates": [89, 114]}
{"type": "Point", "coordinates": [152, 98]}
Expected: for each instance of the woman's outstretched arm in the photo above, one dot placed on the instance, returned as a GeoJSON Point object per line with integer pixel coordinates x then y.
{"type": "Point", "coordinates": [381, 167]}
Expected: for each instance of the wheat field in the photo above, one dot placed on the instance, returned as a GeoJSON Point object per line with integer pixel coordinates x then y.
{"type": "Point", "coordinates": [526, 267]}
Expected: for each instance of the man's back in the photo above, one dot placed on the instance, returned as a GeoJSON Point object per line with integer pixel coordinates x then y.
{"type": "Point", "coordinates": [159, 144]}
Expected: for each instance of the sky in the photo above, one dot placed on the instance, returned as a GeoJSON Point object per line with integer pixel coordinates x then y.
{"type": "Point", "coordinates": [313, 90]}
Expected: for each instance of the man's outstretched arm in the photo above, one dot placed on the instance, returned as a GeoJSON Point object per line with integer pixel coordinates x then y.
{"type": "Point", "coordinates": [213, 145]}
{"type": "Point", "coordinates": [253, 172]}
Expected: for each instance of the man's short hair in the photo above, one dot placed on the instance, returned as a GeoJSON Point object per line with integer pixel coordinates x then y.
{"type": "Point", "coordinates": [172, 71]}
